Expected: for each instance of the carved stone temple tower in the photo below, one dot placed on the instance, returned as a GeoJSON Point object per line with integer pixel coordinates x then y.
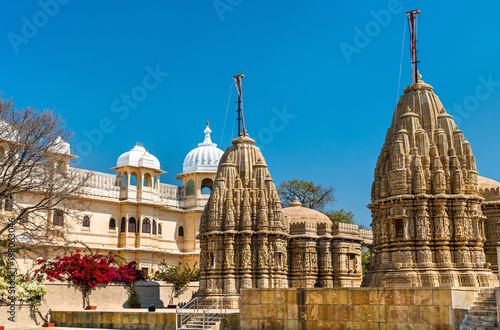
{"type": "Point", "coordinates": [243, 234]}
{"type": "Point", "coordinates": [427, 222]}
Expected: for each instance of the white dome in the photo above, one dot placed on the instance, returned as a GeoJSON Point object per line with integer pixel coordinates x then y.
{"type": "Point", "coordinates": [60, 146]}
{"type": "Point", "coordinates": [138, 157]}
{"type": "Point", "coordinates": [7, 132]}
{"type": "Point", "coordinates": [205, 158]}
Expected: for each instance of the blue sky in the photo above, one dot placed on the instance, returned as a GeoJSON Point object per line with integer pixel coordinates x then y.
{"type": "Point", "coordinates": [319, 95]}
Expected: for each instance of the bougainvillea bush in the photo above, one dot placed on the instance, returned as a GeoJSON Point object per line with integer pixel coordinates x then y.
{"type": "Point", "coordinates": [180, 278]}
{"type": "Point", "coordinates": [27, 288]}
{"type": "Point", "coordinates": [87, 271]}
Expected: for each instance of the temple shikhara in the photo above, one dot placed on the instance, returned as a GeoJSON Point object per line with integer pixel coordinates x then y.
{"type": "Point", "coordinates": [428, 226]}
{"type": "Point", "coordinates": [248, 241]}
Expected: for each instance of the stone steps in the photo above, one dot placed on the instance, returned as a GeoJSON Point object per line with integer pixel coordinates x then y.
{"type": "Point", "coordinates": [196, 322]}
{"type": "Point", "coordinates": [487, 313]}
{"type": "Point", "coordinates": [483, 312]}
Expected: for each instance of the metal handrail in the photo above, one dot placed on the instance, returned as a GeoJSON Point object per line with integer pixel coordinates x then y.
{"type": "Point", "coordinates": [208, 316]}
{"type": "Point", "coordinates": [186, 317]}
{"type": "Point", "coordinates": [211, 313]}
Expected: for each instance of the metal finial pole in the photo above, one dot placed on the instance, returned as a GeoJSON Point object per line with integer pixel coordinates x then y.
{"type": "Point", "coordinates": [241, 118]}
{"type": "Point", "coordinates": [412, 18]}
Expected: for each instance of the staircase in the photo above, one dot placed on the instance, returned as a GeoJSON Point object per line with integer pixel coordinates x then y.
{"type": "Point", "coordinates": [483, 312]}
{"type": "Point", "coordinates": [196, 322]}
{"type": "Point", "coordinates": [194, 316]}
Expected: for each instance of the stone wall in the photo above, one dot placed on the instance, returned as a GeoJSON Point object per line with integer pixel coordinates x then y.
{"type": "Point", "coordinates": [109, 297]}
{"type": "Point", "coordinates": [355, 308]}
{"type": "Point", "coordinates": [133, 320]}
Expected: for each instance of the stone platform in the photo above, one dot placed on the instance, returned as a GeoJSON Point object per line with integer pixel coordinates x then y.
{"type": "Point", "coordinates": [135, 319]}
{"type": "Point", "coordinates": [357, 308]}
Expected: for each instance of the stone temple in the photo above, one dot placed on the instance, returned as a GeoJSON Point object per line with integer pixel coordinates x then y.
{"type": "Point", "coordinates": [248, 241]}
{"type": "Point", "coordinates": [428, 226]}
{"type": "Point", "coordinates": [243, 233]}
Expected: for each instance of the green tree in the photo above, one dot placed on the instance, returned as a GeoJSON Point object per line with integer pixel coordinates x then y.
{"type": "Point", "coordinates": [179, 277]}
{"type": "Point", "coordinates": [366, 260]}
{"type": "Point", "coordinates": [309, 194]}
{"type": "Point", "coordinates": [340, 216]}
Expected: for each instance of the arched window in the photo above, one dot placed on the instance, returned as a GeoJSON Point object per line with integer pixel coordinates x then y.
{"type": "Point", "coordinates": [206, 186]}
{"type": "Point", "coordinates": [147, 180]}
{"type": "Point", "coordinates": [58, 218]}
{"type": "Point", "coordinates": [131, 225]}
{"type": "Point", "coordinates": [60, 168]}
{"type": "Point", "coordinates": [125, 181]}
{"type": "Point", "coordinates": [190, 188]}
{"type": "Point", "coordinates": [86, 221]}
{"type": "Point", "coordinates": [181, 231]}
{"type": "Point", "coordinates": [112, 224]}
{"type": "Point", "coordinates": [123, 225]}
{"type": "Point", "coordinates": [133, 179]}
{"type": "Point", "coordinates": [159, 229]}
{"type": "Point", "coordinates": [154, 227]}
{"type": "Point", "coordinates": [146, 226]}
{"type": "Point", "coordinates": [8, 203]}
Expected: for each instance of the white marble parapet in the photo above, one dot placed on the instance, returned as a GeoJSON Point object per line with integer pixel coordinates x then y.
{"type": "Point", "coordinates": [100, 185]}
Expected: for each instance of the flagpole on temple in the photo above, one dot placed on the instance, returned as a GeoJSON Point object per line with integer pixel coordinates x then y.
{"type": "Point", "coordinates": [241, 118]}
{"type": "Point", "coordinates": [412, 18]}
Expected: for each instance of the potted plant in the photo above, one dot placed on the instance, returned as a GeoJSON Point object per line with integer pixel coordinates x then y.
{"type": "Point", "coordinates": [134, 299]}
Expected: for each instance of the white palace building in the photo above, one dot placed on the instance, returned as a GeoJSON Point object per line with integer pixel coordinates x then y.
{"type": "Point", "coordinates": [138, 218]}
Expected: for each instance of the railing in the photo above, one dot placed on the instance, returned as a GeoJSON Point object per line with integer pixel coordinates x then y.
{"type": "Point", "coordinates": [214, 312]}
{"type": "Point", "coordinates": [186, 312]}
{"type": "Point", "coordinates": [211, 314]}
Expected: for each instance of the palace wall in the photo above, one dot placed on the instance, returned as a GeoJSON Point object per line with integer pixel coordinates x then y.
{"type": "Point", "coordinates": [110, 297]}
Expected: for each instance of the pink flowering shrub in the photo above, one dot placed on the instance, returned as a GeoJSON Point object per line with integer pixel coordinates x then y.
{"type": "Point", "coordinates": [86, 271]}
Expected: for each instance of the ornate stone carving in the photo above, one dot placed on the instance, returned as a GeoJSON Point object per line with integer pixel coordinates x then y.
{"type": "Point", "coordinates": [229, 257]}
{"type": "Point", "coordinates": [242, 216]}
{"type": "Point", "coordinates": [426, 173]}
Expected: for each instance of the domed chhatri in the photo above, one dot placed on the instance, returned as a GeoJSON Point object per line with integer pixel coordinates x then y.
{"type": "Point", "coordinates": [205, 158]}
{"type": "Point", "coordinates": [60, 146]}
{"type": "Point", "coordinates": [138, 157]}
{"type": "Point", "coordinates": [322, 251]}
{"type": "Point", "coordinates": [296, 213]}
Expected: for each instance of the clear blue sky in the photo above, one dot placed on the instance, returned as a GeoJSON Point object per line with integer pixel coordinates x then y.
{"type": "Point", "coordinates": [84, 55]}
